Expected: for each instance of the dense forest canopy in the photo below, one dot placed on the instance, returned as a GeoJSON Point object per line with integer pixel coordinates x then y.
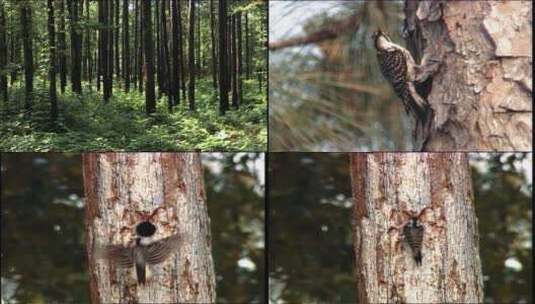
{"type": "Point", "coordinates": [133, 75]}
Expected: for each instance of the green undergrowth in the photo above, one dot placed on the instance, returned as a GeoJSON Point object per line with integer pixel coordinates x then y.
{"type": "Point", "coordinates": [87, 124]}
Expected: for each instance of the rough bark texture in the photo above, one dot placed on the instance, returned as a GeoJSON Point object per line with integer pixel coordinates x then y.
{"type": "Point", "coordinates": [146, 25]}
{"type": "Point", "coordinates": [387, 189]}
{"type": "Point", "coordinates": [481, 90]}
{"type": "Point", "coordinates": [123, 189]}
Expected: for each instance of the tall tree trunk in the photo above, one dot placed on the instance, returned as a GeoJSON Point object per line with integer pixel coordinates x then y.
{"type": "Point", "coordinates": [158, 59]}
{"type": "Point", "coordinates": [223, 89]}
{"type": "Point", "coordinates": [110, 45]}
{"type": "Point", "coordinates": [126, 48]}
{"type": "Point", "coordinates": [116, 38]}
{"type": "Point", "coordinates": [214, 44]}
{"type": "Point", "coordinates": [26, 25]}
{"type": "Point", "coordinates": [150, 101]}
{"type": "Point", "coordinates": [239, 58]}
{"type": "Point", "coordinates": [234, 61]}
{"type": "Point", "coordinates": [136, 44]}
{"type": "Point", "coordinates": [181, 50]}
{"type": "Point", "coordinates": [101, 34]}
{"type": "Point", "coordinates": [247, 54]}
{"type": "Point", "coordinates": [118, 200]}
{"type": "Point", "coordinates": [191, 44]}
{"type": "Point", "coordinates": [76, 58]}
{"type": "Point", "coordinates": [3, 53]}
{"type": "Point", "coordinates": [482, 100]}
{"type": "Point", "coordinates": [389, 189]}
{"type": "Point", "coordinates": [15, 51]}
{"type": "Point", "coordinates": [175, 82]}
{"type": "Point", "coordinates": [106, 47]}
{"type": "Point", "coordinates": [198, 40]}
{"type": "Point", "coordinates": [52, 68]}
{"type": "Point", "coordinates": [87, 49]}
{"type": "Point", "coordinates": [165, 55]}
{"type": "Point", "coordinates": [62, 47]}
{"type": "Point", "coordinates": [141, 52]}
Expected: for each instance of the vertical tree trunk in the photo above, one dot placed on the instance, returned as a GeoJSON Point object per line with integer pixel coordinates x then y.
{"type": "Point", "coordinates": [126, 48]}
{"type": "Point", "coordinates": [388, 190]}
{"type": "Point", "coordinates": [26, 25]}
{"type": "Point", "coordinates": [87, 49]}
{"type": "Point", "coordinates": [15, 50]}
{"type": "Point", "coordinates": [165, 55]}
{"type": "Point", "coordinates": [124, 189]}
{"type": "Point", "coordinates": [116, 39]}
{"type": "Point", "coordinates": [150, 102]}
{"type": "Point", "coordinates": [3, 53]}
{"type": "Point", "coordinates": [76, 58]}
{"type": "Point", "coordinates": [136, 44]}
{"type": "Point", "coordinates": [106, 58]}
{"type": "Point", "coordinates": [214, 44]}
{"type": "Point", "coordinates": [181, 50]}
{"type": "Point", "coordinates": [175, 82]}
{"type": "Point", "coordinates": [101, 38]}
{"type": "Point", "coordinates": [481, 70]}
{"type": "Point", "coordinates": [52, 68]}
{"type": "Point", "coordinates": [191, 43]}
{"type": "Point", "coordinates": [247, 55]}
{"type": "Point", "coordinates": [239, 58]}
{"type": "Point", "coordinates": [141, 52]}
{"type": "Point", "coordinates": [223, 89]}
{"type": "Point", "coordinates": [158, 63]}
{"type": "Point", "coordinates": [62, 47]}
{"type": "Point", "coordinates": [198, 39]}
{"type": "Point", "coordinates": [234, 61]}
{"type": "Point", "coordinates": [110, 46]}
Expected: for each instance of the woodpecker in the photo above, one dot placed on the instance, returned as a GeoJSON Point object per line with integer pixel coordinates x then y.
{"type": "Point", "coordinates": [399, 68]}
{"type": "Point", "coordinates": [144, 252]}
{"type": "Point", "coordinates": [414, 234]}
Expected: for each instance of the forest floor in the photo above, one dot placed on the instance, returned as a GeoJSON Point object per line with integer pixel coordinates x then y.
{"type": "Point", "coordinates": [87, 124]}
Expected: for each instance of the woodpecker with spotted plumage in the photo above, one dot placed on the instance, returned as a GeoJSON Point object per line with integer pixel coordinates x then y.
{"type": "Point", "coordinates": [414, 234]}
{"type": "Point", "coordinates": [399, 68]}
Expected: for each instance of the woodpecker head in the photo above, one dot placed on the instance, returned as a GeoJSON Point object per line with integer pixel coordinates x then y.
{"type": "Point", "coordinates": [414, 222]}
{"type": "Point", "coordinates": [382, 41]}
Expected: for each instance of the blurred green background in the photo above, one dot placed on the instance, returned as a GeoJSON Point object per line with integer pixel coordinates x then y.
{"type": "Point", "coordinates": [43, 254]}
{"type": "Point", "coordinates": [310, 252]}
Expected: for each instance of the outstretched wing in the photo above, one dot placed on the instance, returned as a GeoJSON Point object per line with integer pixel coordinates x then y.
{"type": "Point", "coordinates": [120, 255]}
{"type": "Point", "coordinates": [159, 251]}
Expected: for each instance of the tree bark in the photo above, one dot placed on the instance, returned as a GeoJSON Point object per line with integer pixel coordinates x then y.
{"type": "Point", "coordinates": [52, 68]}
{"type": "Point", "coordinates": [116, 38]}
{"type": "Point", "coordinates": [175, 82]}
{"type": "Point", "coordinates": [126, 48]}
{"type": "Point", "coordinates": [3, 53]}
{"type": "Point", "coordinates": [191, 85]}
{"type": "Point", "coordinates": [481, 90]}
{"type": "Point", "coordinates": [234, 61]}
{"type": "Point", "coordinates": [167, 189]}
{"type": "Point", "coordinates": [223, 88]}
{"type": "Point", "coordinates": [181, 50]}
{"type": "Point", "coordinates": [26, 25]}
{"type": "Point", "coordinates": [214, 44]}
{"type": "Point", "coordinates": [62, 46]}
{"type": "Point", "coordinates": [239, 58]}
{"type": "Point", "coordinates": [390, 188]}
{"type": "Point", "coordinates": [76, 48]}
{"type": "Point", "coordinates": [150, 101]}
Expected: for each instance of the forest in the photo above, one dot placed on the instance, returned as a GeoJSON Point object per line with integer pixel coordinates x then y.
{"type": "Point", "coordinates": [131, 75]}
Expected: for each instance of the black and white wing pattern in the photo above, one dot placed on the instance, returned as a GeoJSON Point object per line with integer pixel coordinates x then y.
{"type": "Point", "coordinates": [121, 256]}
{"type": "Point", "coordinates": [160, 250]}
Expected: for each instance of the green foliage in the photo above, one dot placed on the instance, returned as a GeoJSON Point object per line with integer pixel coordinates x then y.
{"type": "Point", "coordinates": [87, 124]}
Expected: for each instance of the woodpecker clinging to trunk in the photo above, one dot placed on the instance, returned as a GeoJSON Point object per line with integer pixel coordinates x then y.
{"type": "Point", "coordinates": [414, 234]}
{"type": "Point", "coordinates": [399, 68]}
